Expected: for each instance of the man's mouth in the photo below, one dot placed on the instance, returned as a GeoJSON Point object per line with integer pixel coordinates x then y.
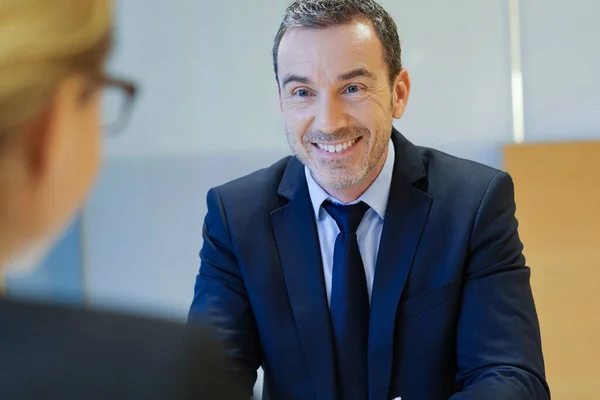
{"type": "Point", "coordinates": [337, 148]}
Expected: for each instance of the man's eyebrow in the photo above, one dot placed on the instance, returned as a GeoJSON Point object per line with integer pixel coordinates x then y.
{"type": "Point", "coordinates": [356, 73]}
{"type": "Point", "coordinates": [295, 78]}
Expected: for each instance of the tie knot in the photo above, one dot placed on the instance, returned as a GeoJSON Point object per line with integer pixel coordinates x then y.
{"type": "Point", "coordinates": [347, 217]}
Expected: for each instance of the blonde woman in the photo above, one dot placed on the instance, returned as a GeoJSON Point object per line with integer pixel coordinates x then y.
{"type": "Point", "coordinates": [52, 54]}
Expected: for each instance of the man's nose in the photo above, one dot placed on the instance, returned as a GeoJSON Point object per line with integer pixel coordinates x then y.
{"type": "Point", "coordinates": [330, 115]}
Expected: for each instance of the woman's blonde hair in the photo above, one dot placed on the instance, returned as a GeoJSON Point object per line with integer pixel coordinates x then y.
{"type": "Point", "coordinates": [42, 42]}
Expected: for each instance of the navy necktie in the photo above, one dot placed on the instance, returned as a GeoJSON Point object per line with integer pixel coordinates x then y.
{"type": "Point", "coordinates": [349, 303]}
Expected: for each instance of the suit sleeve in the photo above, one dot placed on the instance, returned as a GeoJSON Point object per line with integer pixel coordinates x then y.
{"type": "Point", "coordinates": [498, 338]}
{"type": "Point", "coordinates": [220, 295]}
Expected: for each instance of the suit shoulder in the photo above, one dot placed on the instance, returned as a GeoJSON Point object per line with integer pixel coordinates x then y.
{"type": "Point", "coordinates": [258, 184]}
{"type": "Point", "coordinates": [453, 170]}
{"type": "Point", "coordinates": [107, 353]}
{"type": "Point", "coordinates": [458, 182]}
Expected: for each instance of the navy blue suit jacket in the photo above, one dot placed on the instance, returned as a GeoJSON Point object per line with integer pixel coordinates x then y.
{"type": "Point", "coordinates": [452, 313]}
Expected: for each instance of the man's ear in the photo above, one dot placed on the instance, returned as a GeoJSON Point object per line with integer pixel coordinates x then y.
{"type": "Point", "coordinates": [400, 93]}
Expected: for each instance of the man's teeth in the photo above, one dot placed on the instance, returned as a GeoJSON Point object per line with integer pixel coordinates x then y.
{"type": "Point", "coordinates": [336, 148]}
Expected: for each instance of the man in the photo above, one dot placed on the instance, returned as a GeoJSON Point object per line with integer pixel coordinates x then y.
{"type": "Point", "coordinates": [52, 56]}
{"type": "Point", "coordinates": [365, 266]}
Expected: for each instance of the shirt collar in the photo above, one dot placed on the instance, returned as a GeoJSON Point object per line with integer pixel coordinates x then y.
{"type": "Point", "coordinates": [376, 196]}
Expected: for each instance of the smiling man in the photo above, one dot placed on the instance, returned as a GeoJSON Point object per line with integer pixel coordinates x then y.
{"type": "Point", "coordinates": [365, 267]}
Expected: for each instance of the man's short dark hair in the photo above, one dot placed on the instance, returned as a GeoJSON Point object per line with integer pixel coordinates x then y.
{"type": "Point", "coordinates": [320, 14]}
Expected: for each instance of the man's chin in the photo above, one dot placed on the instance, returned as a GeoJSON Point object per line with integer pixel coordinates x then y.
{"type": "Point", "coordinates": [336, 182]}
{"type": "Point", "coordinates": [336, 185]}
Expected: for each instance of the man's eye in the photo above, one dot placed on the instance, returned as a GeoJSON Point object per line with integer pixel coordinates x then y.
{"type": "Point", "coordinates": [302, 93]}
{"type": "Point", "coordinates": [353, 89]}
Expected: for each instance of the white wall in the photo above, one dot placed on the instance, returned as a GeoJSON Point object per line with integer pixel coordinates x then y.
{"type": "Point", "coordinates": [458, 56]}
{"type": "Point", "coordinates": [561, 60]}
{"type": "Point", "coordinates": [206, 76]}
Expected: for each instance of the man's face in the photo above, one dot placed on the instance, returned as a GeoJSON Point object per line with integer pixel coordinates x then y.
{"type": "Point", "coordinates": [337, 101]}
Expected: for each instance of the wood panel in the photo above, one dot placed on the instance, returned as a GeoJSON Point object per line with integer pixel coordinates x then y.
{"type": "Point", "coordinates": [557, 188]}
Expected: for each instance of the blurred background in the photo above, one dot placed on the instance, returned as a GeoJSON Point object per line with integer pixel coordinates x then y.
{"type": "Point", "coordinates": [208, 112]}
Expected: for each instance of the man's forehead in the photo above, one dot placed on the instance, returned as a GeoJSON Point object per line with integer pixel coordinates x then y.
{"type": "Point", "coordinates": [347, 46]}
{"type": "Point", "coordinates": [357, 33]}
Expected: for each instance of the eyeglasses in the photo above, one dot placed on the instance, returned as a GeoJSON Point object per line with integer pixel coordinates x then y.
{"type": "Point", "coordinates": [118, 96]}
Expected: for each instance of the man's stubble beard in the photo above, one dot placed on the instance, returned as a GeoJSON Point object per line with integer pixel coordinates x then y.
{"type": "Point", "coordinates": [342, 179]}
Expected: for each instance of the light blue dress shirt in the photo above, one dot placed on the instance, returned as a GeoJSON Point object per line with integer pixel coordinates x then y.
{"type": "Point", "coordinates": [370, 228]}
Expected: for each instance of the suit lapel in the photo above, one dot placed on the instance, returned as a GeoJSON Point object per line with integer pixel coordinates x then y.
{"type": "Point", "coordinates": [406, 215]}
{"type": "Point", "coordinates": [297, 240]}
